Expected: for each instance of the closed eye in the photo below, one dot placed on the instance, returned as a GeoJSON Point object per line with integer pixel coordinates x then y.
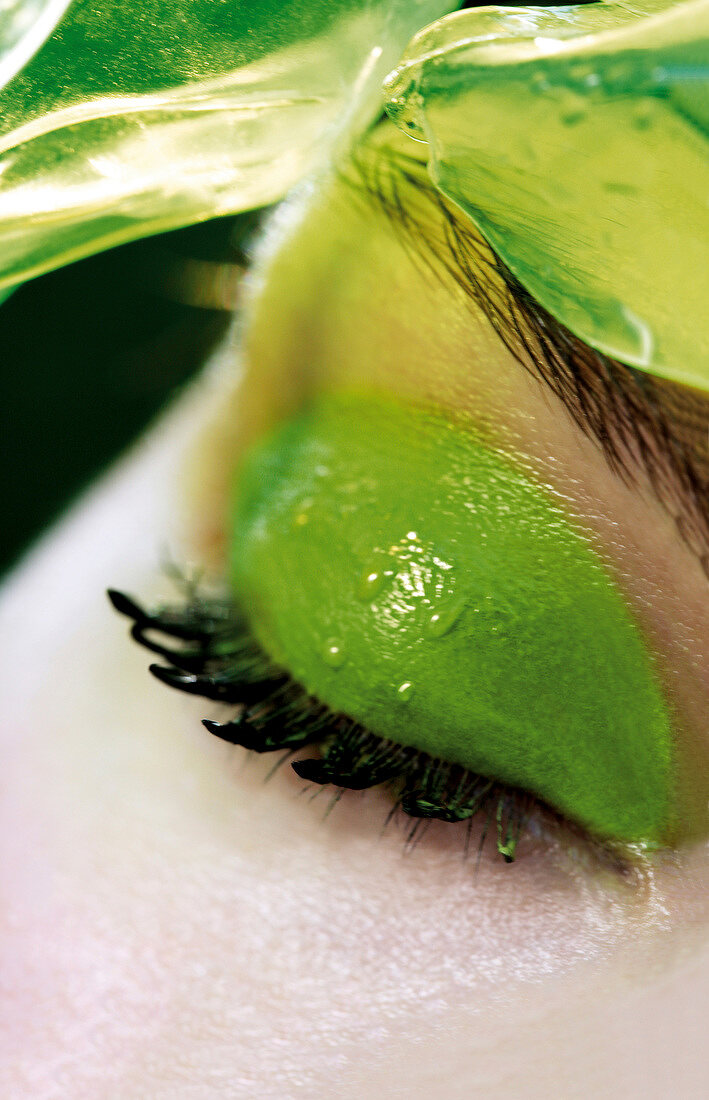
{"type": "Point", "coordinates": [592, 710]}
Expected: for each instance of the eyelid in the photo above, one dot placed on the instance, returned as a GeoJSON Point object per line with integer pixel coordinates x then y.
{"type": "Point", "coordinates": [230, 671]}
{"type": "Point", "coordinates": [489, 607]}
{"type": "Point", "coordinates": [282, 316]}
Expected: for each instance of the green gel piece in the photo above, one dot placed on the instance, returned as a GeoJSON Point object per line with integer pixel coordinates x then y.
{"type": "Point", "coordinates": [578, 141]}
{"type": "Point", "coordinates": [133, 119]}
{"type": "Point", "coordinates": [24, 25]}
{"type": "Point", "coordinates": [542, 679]}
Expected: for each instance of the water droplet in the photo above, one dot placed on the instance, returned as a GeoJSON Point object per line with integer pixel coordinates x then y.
{"type": "Point", "coordinates": [444, 617]}
{"type": "Point", "coordinates": [405, 691]}
{"type": "Point", "coordinates": [333, 653]}
{"type": "Point", "coordinates": [370, 583]}
{"type": "Point", "coordinates": [643, 335]}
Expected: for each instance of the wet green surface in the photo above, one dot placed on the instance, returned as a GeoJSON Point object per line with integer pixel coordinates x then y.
{"type": "Point", "coordinates": [412, 578]}
{"type": "Point", "coordinates": [134, 119]}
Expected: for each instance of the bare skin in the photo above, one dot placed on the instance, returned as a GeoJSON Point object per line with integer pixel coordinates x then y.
{"type": "Point", "coordinates": [175, 927]}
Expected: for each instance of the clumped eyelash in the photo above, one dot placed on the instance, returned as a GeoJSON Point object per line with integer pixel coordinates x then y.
{"type": "Point", "coordinates": [620, 408]}
{"type": "Point", "coordinates": [212, 654]}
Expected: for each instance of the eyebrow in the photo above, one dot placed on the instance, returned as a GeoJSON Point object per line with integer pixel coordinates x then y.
{"type": "Point", "coordinates": [640, 422]}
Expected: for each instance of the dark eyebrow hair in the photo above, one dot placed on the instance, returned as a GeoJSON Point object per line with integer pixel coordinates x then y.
{"type": "Point", "coordinates": [640, 422]}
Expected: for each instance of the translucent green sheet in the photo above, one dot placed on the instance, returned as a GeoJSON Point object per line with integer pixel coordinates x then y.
{"type": "Point", "coordinates": [24, 25]}
{"type": "Point", "coordinates": [576, 138]}
{"type": "Point", "coordinates": [136, 117]}
{"type": "Point", "coordinates": [578, 141]}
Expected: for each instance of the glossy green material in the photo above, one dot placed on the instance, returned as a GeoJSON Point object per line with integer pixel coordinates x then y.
{"type": "Point", "coordinates": [24, 25]}
{"type": "Point", "coordinates": [139, 117]}
{"type": "Point", "coordinates": [411, 577]}
{"type": "Point", "coordinates": [578, 141]}
{"type": "Point", "coordinates": [576, 137]}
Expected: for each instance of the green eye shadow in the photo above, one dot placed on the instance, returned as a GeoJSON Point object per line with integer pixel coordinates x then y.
{"type": "Point", "coordinates": [411, 577]}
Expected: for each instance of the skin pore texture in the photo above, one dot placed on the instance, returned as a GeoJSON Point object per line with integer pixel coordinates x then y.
{"type": "Point", "coordinates": [174, 927]}
{"type": "Point", "coordinates": [411, 578]}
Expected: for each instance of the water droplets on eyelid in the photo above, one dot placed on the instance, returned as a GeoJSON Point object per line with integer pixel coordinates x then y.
{"type": "Point", "coordinates": [444, 616]}
{"type": "Point", "coordinates": [405, 691]}
{"type": "Point", "coordinates": [333, 653]}
{"type": "Point", "coordinates": [396, 576]}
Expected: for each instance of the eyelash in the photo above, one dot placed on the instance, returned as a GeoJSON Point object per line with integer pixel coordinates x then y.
{"type": "Point", "coordinates": [213, 655]}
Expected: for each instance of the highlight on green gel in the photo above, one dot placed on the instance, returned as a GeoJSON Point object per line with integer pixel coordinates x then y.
{"type": "Point", "coordinates": [133, 119]}
{"type": "Point", "coordinates": [411, 577]}
{"type": "Point", "coordinates": [576, 138]}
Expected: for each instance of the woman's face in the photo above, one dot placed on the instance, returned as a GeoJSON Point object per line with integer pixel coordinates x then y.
{"type": "Point", "coordinates": [177, 926]}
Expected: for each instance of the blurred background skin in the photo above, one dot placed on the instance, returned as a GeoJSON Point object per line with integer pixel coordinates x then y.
{"type": "Point", "coordinates": [91, 352]}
